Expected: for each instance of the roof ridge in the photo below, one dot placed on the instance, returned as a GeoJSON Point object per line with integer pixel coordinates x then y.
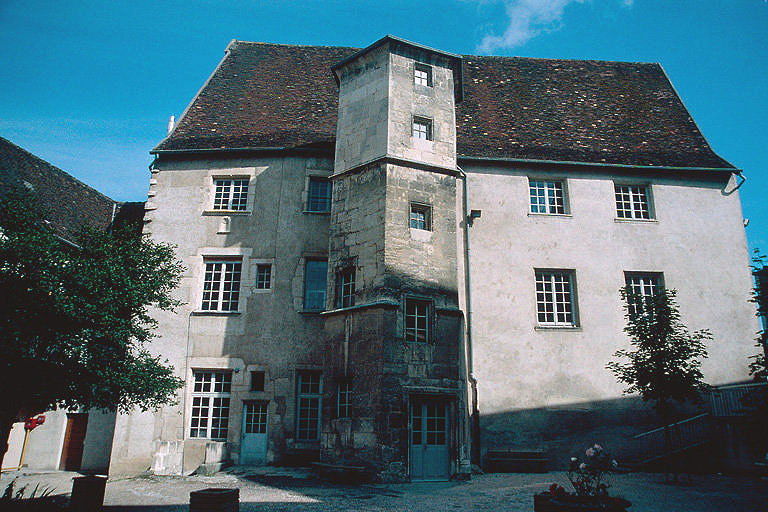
{"type": "Point", "coordinates": [62, 171]}
{"type": "Point", "coordinates": [560, 60]}
{"type": "Point", "coordinates": [296, 45]}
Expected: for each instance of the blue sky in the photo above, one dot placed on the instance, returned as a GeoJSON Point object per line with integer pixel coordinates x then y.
{"type": "Point", "coordinates": [89, 86]}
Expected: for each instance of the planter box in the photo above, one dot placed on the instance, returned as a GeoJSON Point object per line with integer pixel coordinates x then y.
{"type": "Point", "coordinates": [545, 502]}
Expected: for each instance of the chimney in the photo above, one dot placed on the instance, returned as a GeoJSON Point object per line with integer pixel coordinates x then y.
{"type": "Point", "coordinates": [171, 123]}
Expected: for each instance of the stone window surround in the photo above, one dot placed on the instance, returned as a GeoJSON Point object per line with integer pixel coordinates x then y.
{"type": "Point", "coordinates": [263, 261]}
{"type": "Point", "coordinates": [566, 195]}
{"type": "Point", "coordinates": [649, 196]}
{"type": "Point", "coordinates": [209, 188]}
{"type": "Point", "coordinates": [313, 173]}
{"type": "Point", "coordinates": [424, 120]}
{"type": "Point", "coordinates": [247, 277]}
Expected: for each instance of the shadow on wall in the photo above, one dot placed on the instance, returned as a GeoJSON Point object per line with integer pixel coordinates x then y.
{"type": "Point", "coordinates": [565, 431]}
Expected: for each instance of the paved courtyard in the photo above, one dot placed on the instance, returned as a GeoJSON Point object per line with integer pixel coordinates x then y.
{"type": "Point", "coordinates": [275, 489]}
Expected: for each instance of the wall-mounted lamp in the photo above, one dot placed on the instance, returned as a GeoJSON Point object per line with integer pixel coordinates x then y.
{"type": "Point", "coordinates": [474, 214]}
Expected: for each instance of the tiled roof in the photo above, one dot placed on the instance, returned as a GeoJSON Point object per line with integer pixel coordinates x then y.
{"type": "Point", "coordinates": [71, 204]}
{"type": "Point", "coordinates": [270, 95]}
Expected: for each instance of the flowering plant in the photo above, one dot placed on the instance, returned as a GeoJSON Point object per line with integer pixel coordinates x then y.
{"type": "Point", "coordinates": [587, 475]}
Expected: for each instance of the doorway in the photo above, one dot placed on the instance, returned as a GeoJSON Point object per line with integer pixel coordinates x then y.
{"type": "Point", "coordinates": [253, 447]}
{"type": "Point", "coordinates": [430, 452]}
{"type": "Point", "coordinates": [74, 440]}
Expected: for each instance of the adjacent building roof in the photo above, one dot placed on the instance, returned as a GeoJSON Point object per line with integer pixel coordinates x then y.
{"type": "Point", "coordinates": [71, 204]}
{"type": "Point", "coordinates": [284, 96]}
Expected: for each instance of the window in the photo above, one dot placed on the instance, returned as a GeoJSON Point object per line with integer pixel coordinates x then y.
{"type": "Point", "coordinates": [422, 128]}
{"type": "Point", "coordinates": [555, 298]}
{"type": "Point", "coordinates": [256, 417]}
{"type": "Point", "coordinates": [319, 199]}
{"type": "Point", "coordinates": [210, 404]}
{"type": "Point", "coordinates": [417, 320]}
{"type": "Point", "coordinates": [221, 285]}
{"type": "Point", "coordinates": [643, 285]}
{"type": "Point", "coordinates": [308, 405]}
{"type": "Point", "coordinates": [632, 202]}
{"type": "Point", "coordinates": [421, 217]}
{"type": "Point", "coordinates": [263, 276]}
{"type": "Point", "coordinates": [547, 196]}
{"type": "Point", "coordinates": [257, 381]}
{"type": "Point", "coordinates": [422, 74]}
{"type": "Point", "coordinates": [345, 288]}
{"type": "Point", "coordinates": [315, 283]}
{"type": "Point", "coordinates": [344, 399]}
{"type": "Point", "coordinates": [230, 195]}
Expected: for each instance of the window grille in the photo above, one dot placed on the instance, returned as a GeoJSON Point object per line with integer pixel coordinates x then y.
{"type": "Point", "coordinates": [554, 298]}
{"type": "Point", "coordinates": [256, 417]}
{"type": "Point", "coordinates": [230, 195]}
{"type": "Point", "coordinates": [308, 405]}
{"type": "Point", "coordinates": [632, 202]}
{"type": "Point", "coordinates": [547, 197]}
{"type": "Point", "coordinates": [417, 320]}
{"type": "Point", "coordinates": [221, 285]}
{"type": "Point", "coordinates": [421, 217]}
{"type": "Point", "coordinates": [319, 199]}
{"type": "Point", "coordinates": [345, 288]}
{"type": "Point", "coordinates": [263, 276]}
{"type": "Point", "coordinates": [210, 404]}
{"type": "Point", "coordinates": [315, 284]}
{"type": "Point", "coordinates": [422, 128]}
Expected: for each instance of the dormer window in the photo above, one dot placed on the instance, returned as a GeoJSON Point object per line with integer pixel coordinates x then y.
{"type": "Point", "coordinates": [422, 128]}
{"type": "Point", "coordinates": [422, 75]}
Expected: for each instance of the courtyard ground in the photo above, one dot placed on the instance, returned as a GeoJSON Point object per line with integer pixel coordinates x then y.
{"type": "Point", "coordinates": [277, 489]}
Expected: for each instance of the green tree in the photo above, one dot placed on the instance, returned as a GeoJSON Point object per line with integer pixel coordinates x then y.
{"type": "Point", "coordinates": [75, 318]}
{"type": "Point", "coordinates": [664, 364]}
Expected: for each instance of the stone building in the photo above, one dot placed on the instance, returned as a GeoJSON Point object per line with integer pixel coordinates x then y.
{"type": "Point", "coordinates": [398, 257]}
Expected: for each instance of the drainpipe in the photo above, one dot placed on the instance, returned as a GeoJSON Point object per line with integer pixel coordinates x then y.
{"type": "Point", "coordinates": [474, 418]}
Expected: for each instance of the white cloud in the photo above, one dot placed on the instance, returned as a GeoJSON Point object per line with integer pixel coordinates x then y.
{"type": "Point", "coordinates": [527, 18]}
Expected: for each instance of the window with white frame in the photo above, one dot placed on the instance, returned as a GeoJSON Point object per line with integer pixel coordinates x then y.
{"type": "Point", "coordinates": [417, 319]}
{"type": "Point", "coordinates": [263, 276]}
{"type": "Point", "coordinates": [221, 285]}
{"type": "Point", "coordinates": [309, 393]}
{"type": "Point", "coordinates": [421, 217]}
{"type": "Point", "coordinates": [315, 283]}
{"type": "Point", "coordinates": [344, 399]}
{"type": "Point", "coordinates": [422, 128]}
{"type": "Point", "coordinates": [422, 74]}
{"type": "Point", "coordinates": [642, 285]}
{"type": "Point", "coordinates": [555, 298]}
{"type": "Point", "coordinates": [345, 288]}
{"type": "Point", "coordinates": [547, 196]}
{"type": "Point", "coordinates": [319, 198]}
{"type": "Point", "coordinates": [632, 202]}
{"type": "Point", "coordinates": [230, 194]}
{"type": "Point", "coordinates": [210, 404]}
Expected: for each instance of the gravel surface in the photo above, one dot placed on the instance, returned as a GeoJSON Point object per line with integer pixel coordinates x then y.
{"type": "Point", "coordinates": [279, 489]}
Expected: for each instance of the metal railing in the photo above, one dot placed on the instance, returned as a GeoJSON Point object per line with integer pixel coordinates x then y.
{"type": "Point", "coordinates": [729, 401]}
{"type": "Point", "coordinates": [684, 434]}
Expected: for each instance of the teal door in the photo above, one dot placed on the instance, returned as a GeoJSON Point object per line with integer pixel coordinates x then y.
{"type": "Point", "coordinates": [430, 457]}
{"type": "Point", "coordinates": [253, 447]}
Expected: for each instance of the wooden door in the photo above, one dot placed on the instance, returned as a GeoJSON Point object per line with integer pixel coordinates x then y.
{"type": "Point", "coordinates": [253, 447]}
{"type": "Point", "coordinates": [74, 439]}
{"type": "Point", "coordinates": [430, 454]}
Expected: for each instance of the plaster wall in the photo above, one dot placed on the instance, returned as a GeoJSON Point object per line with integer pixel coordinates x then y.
{"type": "Point", "coordinates": [697, 240]}
{"type": "Point", "coordinates": [271, 332]}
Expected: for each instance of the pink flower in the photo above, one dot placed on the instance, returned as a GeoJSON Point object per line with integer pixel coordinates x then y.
{"type": "Point", "coordinates": [598, 448]}
{"type": "Point", "coordinates": [582, 466]}
{"type": "Point", "coordinates": [590, 452]}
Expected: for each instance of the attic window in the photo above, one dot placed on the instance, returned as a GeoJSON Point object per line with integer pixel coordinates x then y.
{"type": "Point", "coordinates": [422, 75]}
{"type": "Point", "coordinates": [422, 128]}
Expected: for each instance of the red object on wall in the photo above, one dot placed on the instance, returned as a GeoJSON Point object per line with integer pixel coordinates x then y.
{"type": "Point", "coordinates": [31, 423]}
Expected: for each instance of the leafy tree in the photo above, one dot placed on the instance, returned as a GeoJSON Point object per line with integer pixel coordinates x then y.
{"type": "Point", "coordinates": [759, 366]}
{"type": "Point", "coordinates": [664, 365]}
{"type": "Point", "coordinates": [75, 323]}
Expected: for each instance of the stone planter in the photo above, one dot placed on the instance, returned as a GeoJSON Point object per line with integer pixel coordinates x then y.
{"type": "Point", "coordinates": [545, 502]}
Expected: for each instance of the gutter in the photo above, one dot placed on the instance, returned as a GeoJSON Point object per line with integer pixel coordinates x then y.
{"type": "Point", "coordinates": [593, 164]}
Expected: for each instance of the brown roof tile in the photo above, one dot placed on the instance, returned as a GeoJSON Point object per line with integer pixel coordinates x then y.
{"type": "Point", "coordinates": [270, 95]}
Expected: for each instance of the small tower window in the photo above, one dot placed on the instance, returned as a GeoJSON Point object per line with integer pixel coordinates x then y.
{"type": "Point", "coordinates": [422, 75]}
{"type": "Point", "coordinates": [421, 217]}
{"type": "Point", "coordinates": [422, 128]}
